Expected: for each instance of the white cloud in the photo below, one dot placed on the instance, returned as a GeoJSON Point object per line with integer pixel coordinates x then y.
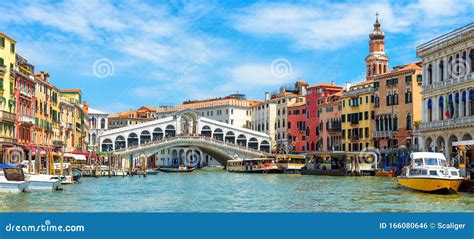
{"type": "Point", "coordinates": [329, 26]}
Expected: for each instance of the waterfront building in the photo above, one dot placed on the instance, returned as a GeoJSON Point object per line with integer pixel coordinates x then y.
{"type": "Point", "coordinates": [358, 117]}
{"type": "Point", "coordinates": [448, 89]}
{"type": "Point", "coordinates": [286, 97]}
{"type": "Point", "coordinates": [263, 117]}
{"type": "Point", "coordinates": [80, 123]}
{"type": "Point", "coordinates": [397, 106]}
{"type": "Point", "coordinates": [43, 130]}
{"type": "Point", "coordinates": [55, 112]}
{"type": "Point", "coordinates": [233, 109]}
{"type": "Point", "coordinates": [97, 125]}
{"type": "Point", "coordinates": [7, 100]}
{"type": "Point", "coordinates": [127, 118]}
{"type": "Point", "coordinates": [330, 122]}
{"type": "Point", "coordinates": [66, 124]}
{"type": "Point", "coordinates": [25, 84]}
{"type": "Point", "coordinates": [297, 129]}
{"type": "Point", "coordinates": [314, 111]}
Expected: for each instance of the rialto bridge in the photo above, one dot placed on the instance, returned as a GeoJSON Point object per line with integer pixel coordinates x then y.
{"type": "Point", "coordinates": [183, 136]}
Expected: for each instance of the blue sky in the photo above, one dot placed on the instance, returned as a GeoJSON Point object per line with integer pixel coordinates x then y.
{"type": "Point", "coordinates": [124, 54]}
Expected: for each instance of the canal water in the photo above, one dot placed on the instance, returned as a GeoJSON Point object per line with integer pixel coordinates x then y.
{"type": "Point", "coordinates": [220, 191]}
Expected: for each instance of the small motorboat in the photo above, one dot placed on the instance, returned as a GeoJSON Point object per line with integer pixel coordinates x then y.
{"type": "Point", "coordinates": [387, 172]}
{"type": "Point", "coordinates": [429, 172]}
{"type": "Point", "coordinates": [43, 182]}
{"type": "Point", "coordinates": [12, 180]}
{"type": "Point", "coordinates": [180, 169]}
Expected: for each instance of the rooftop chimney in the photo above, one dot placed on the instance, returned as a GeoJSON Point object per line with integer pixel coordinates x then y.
{"type": "Point", "coordinates": [267, 96]}
{"type": "Point", "coordinates": [348, 85]}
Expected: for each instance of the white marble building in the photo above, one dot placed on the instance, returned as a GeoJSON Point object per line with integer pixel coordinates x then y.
{"type": "Point", "coordinates": [448, 90]}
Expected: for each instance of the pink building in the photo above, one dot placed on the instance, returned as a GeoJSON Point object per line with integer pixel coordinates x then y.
{"type": "Point", "coordinates": [330, 123]}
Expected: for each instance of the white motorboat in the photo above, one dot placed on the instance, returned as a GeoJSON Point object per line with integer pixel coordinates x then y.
{"type": "Point", "coordinates": [12, 180]}
{"type": "Point", "coordinates": [43, 182]}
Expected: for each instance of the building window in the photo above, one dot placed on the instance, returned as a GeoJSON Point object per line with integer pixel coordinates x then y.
{"type": "Point", "coordinates": [12, 47]}
{"type": "Point", "coordinates": [441, 70]}
{"type": "Point", "coordinates": [409, 123]}
{"type": "Point", "coordinates": [430, 75]}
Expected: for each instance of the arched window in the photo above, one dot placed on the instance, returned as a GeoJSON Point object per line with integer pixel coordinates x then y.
{"type": "Point", "coordinates": [218, 134]}
{"type": "Point", "coordinates": [471, 56]}
{"type": "Point", "coordinates": [471, 102]}
{"type": "Point", "coordinates": [145, 137]}
{"type": "Point", "coordinates": [430, 75]}
{"type": "Point", "coordinates": [441, 108]}
{"type": "Point", "coordinates": [132, 140]}
{"type": "Point", "coordinates": [395, 98]}
{"type": "Point", "coordinates": [463, 100]}
{"type": "Point", "coordinates": [380, 69]}
{"type": "Point", "coordinates": [441, 70]}
{"type": "Point", "coordinates": [119, 142]}
{"type": "Point", "coordinates": [102, 123]}
{"type": "Point", "coordinates": [157, 134]}
{"type": "Point", "coordinates": [409, 123]}
{"type": "Point", "coordinates": [430, 110]}
{"type": "Point", "coordinates": [94, 137]}
{"type": "Point", "coordinates": [450, 67]}
{"type": "Point", "coordinates": [170, 131]}
{"type": "Point", "coordinates": [107, 145]}
{"type": "Point", "coordinates": [458, 62]}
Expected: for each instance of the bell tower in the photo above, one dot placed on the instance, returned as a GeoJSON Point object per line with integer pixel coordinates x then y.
{"type": "Point", "coordinates": [376, 62]}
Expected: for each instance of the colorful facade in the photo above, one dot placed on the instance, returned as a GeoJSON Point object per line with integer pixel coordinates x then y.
{"type": "Point", "coordinates": [314, 99]}
{"type": "Point", "coordinates": [43, 130]}
{"type": "Point", "coordinates": [358, 117]}
{"type": "Point", "coordinates": [80, 118]}
{"type": "Point", "coordinates": [331, 113]}
{"type": "Point", "coordinates": [7, 100]}
{"type": "Point", "coordinates": [397, 106]}
{"type": "Point", "coordinates": [297, 129]}
{"type": "Point", "coordinates": [25, 85]}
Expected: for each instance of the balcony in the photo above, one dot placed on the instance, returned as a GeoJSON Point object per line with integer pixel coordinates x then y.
{"type": "Point", "coordinates": [354, 137]}
{"type": "Point", "coordinates": [382, 134]}
{"type": "Point", "coordinates": [7, 139]}
{"type": "Point", "coordinates": [448, 124]}
{"type": "Point", "coordinates": [7, 116]}
{"type": "Point", "coordinates": [449, 82]}
{"type": "Point", "coordinates": [3, 69]}
{"type": "Point", "coordinates": [26, 119]}
{"type": "Point", "coordinates": [26, 93]}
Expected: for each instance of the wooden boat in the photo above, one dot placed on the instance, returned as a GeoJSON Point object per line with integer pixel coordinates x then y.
{"type": "Point", "coordinates": [429, 172]}
{"type": "Point", "coordinates": [387, 172]}
{"type": "Point", "coordinates": [255, 165]}
{"type": "Point", "coordinates": [180, 169]}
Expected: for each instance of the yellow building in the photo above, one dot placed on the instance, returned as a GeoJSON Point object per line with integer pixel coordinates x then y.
{"type": "Point", "coordinates": [55, 112]}
{"type": "Point", "coordinates": [43, 131]}
{"type": "Point", "coordinates": [80, 118]}
{"type": "Point", "coordinates": [358, 117]}
{"type": "Point", "coordinates": [7, 101]}
{"type": "Point", "coordinates": [66, 123]}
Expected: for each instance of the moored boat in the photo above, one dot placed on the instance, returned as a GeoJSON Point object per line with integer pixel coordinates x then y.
{"type": "Point", "coordinates": [12, 180]}
{"type": "Point", "coordinates": [429, 172]}
{"type": "Point", "coordinates": [181, 169]}
{"type": "Point", "coordinates": [43, 182]}
{"type": "Point", "coordinates": [387, 172]}
{"type": "Point", "coordinates": [255, 165]}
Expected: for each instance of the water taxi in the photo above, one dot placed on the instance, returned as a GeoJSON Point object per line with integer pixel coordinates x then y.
{"type": "Point", "coordinates": [255, 165]}
{"type": "Point", "coordinates": [290, 163]}
{"type": "Point", "coordinates": [429, 172]}
{"type": "Point", "coordinates": [40, 181]}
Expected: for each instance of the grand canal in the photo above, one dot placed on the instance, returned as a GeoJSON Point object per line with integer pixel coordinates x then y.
{"type": "Point", "coordinates": [219, 191]}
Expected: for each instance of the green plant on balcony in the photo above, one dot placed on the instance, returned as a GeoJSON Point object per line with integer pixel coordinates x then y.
{"type": "Point", "coordinates": [417, 124]}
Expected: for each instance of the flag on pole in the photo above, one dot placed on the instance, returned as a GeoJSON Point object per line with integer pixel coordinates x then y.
{"type": "Point", "coordinates": [446, 108]}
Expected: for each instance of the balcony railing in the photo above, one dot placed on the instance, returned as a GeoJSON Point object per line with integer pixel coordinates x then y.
{"type": "Point", "coordinates": [26, 119]}
{"type": "Point", "coordinates": [354, 137]}
{"type": "Point", "coordinates": [449, 82]}
{"type": "Point", "coordinates": [7, 116]}
{"type": "Point", "coordinates": [382, 134]}
{"type": "Point", "coordinates": [7, 140]}
{"type": "Point", "coordinates": [446, 124]}
{"type": "Point", "coordinates": [26, 93]}
{"type": "Point", "coordinates": [3, 69]}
